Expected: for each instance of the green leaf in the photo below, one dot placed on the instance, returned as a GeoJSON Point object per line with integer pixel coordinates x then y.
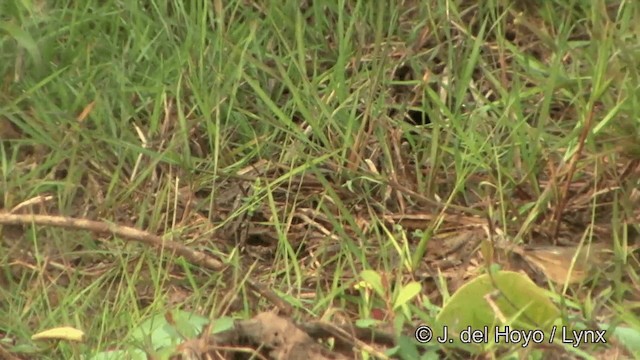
{"type": "Point", "coordinates": [374, 280]}
{"type": "Point", "coordinates": [627, 336]}
{"type": "Point", "coordinates": [156, 332]}
{"type": "Point", "coordinates": [188, 324]}
{"type": "Point", "coordinates": [131, 354]}
{"type": "Point", "coordinates": [159, 333]}
{"type": "Point", "coordinates": [222, 324]}
{"type": "Point", "coordinates": [366, 323]}
{"type": "Point", "coordinates": [407, 349]}
{"type": "Point", "coordinates": [483, 302]}
{"type": "Point", "coordinates": [407, 293]}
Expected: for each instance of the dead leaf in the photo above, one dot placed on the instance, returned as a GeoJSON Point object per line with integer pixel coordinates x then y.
{"type": "Point", "coordinates": [60, 333]}
{"type": "Point", "coordinates": [558, 265]}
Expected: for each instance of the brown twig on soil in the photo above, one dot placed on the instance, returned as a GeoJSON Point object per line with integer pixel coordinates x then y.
{"type": "Point", "coordinates": [572, 169]}
{"type": "Point", "coordinates": [348, 338]}
{"type": "Point", "coordinates": [436, 204]}
{"type": "Point", "coordinates": [102, 227]}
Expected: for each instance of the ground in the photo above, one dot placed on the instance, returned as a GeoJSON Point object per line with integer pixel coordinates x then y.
{"type": "Point", "coordinates": [348, 166]}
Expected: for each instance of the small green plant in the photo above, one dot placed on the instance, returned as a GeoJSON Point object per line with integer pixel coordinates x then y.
{"type": "Point", "coordinates": [494, 301]}
{"type": "Point", "coordinates": [161, 334]}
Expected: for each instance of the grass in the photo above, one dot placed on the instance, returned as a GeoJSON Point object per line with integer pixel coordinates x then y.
{"type": "Point", "coordinates": [282, 138]}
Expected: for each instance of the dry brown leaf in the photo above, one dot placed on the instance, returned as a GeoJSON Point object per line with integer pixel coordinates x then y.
{"type": "Point", "coordinates": [558, 265]}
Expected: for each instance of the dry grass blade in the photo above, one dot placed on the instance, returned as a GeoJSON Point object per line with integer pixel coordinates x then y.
{"type": "Point", "coordinates": [572, 168]}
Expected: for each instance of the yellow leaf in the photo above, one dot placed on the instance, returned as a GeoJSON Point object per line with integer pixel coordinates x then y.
{"type": "Point", "coordinates": [60, 333]}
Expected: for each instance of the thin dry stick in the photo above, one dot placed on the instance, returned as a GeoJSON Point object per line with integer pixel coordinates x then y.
{"type": "Point", "coordinates": [572, 170]}
{"type": "Point", "coordinates": [101, 227]}
{"type": "Point", "coordinates": [357, 338]}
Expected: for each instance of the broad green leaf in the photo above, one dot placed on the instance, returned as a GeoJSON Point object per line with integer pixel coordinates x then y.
{"type": "Point", "coordinates": [482, 302]}
{"type": "Point", "coordinates": [366, 323]}
{"type": "Point", "coordinates": [131, 354]}
{"type": "Point", "coordinates": [407, 293]}
{"type": "Point", "coordinates": [222, 324]}
{"type": "Point", "coordinates": [157, 332]}
{"type": "Point", "coordinates": [160, 333]}
{"type": "Point", "coordinates": [627, 336]}
{"type": "Point", "coordinates": [374, 280]}
{"type": "Point", "coordinates": [407, 349]}
{"type": "Point", "coordinates": [188, 324]}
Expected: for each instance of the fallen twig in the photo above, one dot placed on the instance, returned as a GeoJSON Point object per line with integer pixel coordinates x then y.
{"type": "Point", "coordinates": [195, 257]}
